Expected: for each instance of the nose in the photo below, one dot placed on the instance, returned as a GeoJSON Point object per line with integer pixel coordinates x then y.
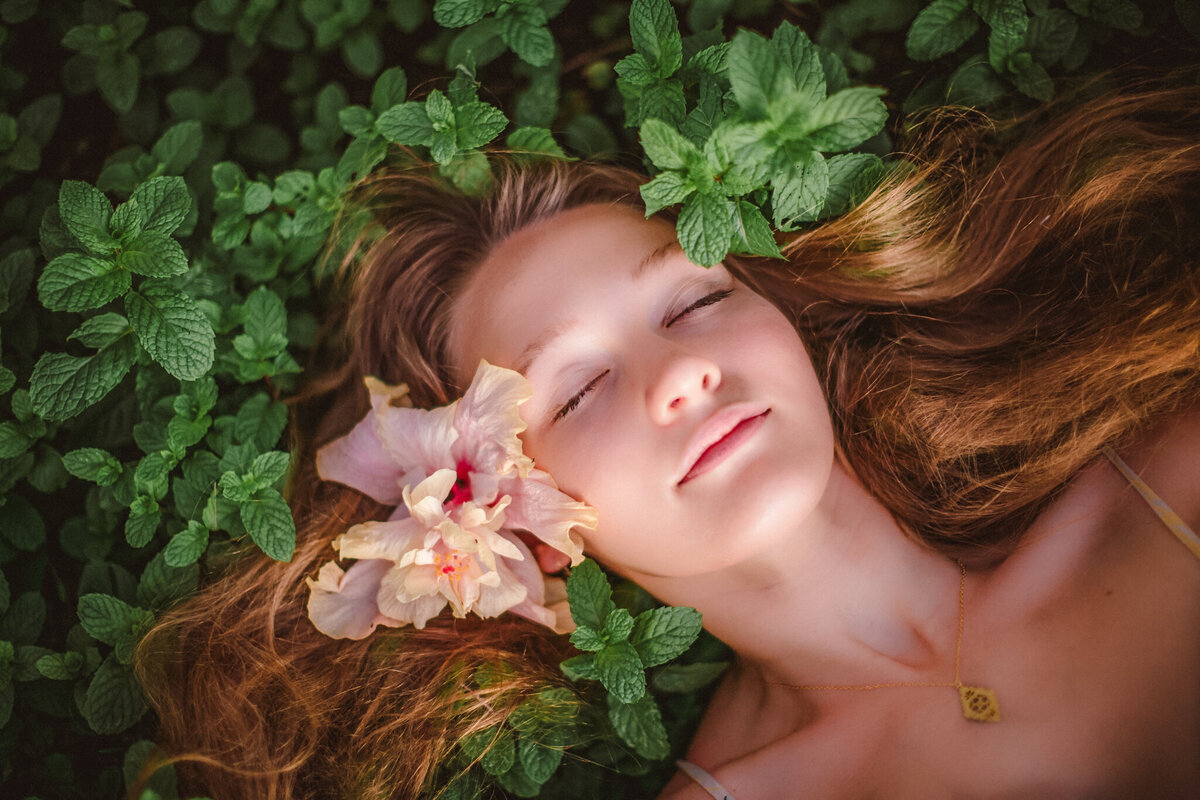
{"type": "Point", "coordinates": [684, 379]}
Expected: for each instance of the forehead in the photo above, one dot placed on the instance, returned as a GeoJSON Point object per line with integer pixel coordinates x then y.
{"type": "Point", "coordinates": [536, 278]}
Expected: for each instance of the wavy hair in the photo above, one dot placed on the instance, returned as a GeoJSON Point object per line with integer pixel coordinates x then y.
{"type": "Point", "coordinates": [983, 323]}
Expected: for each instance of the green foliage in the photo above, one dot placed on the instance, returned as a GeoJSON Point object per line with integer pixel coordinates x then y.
{"type": "Point", "coordinates": [173, 174]}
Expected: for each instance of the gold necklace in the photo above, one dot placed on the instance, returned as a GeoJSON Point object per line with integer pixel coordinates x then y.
{"type": "Point", "coordinates": [978, 704]}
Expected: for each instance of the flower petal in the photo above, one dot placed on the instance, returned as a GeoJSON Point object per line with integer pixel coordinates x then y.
{"type": "Point", "coordinates": [359, 460]}
{"type": "Point", "coordinates": [418, 610]}
{"type": "Point", "coordinates": [550, 515]}
{"type": "Point", "coordinates": [418, 440]}
{"type": "Point", "coordinates": [390, 540]}
{"type": "Point", "coordinates": [488, 419]}
{"type": "Point", "coordinates": [342, 604]}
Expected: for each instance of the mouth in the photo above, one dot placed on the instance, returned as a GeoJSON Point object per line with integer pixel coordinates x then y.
{"type": "Point", "coordinates": [719, 437]}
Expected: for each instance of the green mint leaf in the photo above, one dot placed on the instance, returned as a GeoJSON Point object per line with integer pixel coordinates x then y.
{"type": "Point", "coordinates": [60, 666]}
{"type": "Point", "coordinates": [667, 189]}
{"type": "Point", "coordinates": [444, 148]}
{"type": "Point", "coordinates": [589, 595]}
{"type": "Point", "coordinates": [407, 123]}
{"type": "Point", "coordinates": [705, 228]}
{"type": "Point", "coordinates": [755, 73]}
{"type": "Point", "coordinates": [256, 198]}
{"type": "Point", "coordinates": [440, 110]}
{"type": "Point", "coordinates": [13, 441]}
{"type": "Point", "coordinates": [172, 329]}
{"type": "Point", "coordinates": [538, 761]}
{"type": "Point", "coordinates": [1007, 17]}
{"type": "Point", "coordinates": [666, 147]}
{"type": "Point", "coordinates": [269, 522]}
{"type": "Point", "coordinates": [357, 120]}
{"type": "Point", "coordinates": [269, 467]}
{"type": "Point", "coordinates": [617, 627]}
{"type": "Point", "coordinates": [101, 330]}
{"type": "Point", "coordinates": [178, 147]}
{"type": "Point", "coordinates": [1049, 36]}
{"type": "Point", "coordinates": [1031, 77]}
{"type": "Point", "coordinates": [798, 191]}
{"type": "Point", "coordinates": [142, 522]}
{"type": "Point", "coordinates": [117, 75]}
{"type": "Point", "coordinates": [849, 180]}
{"type": "Point", "coordinates": [635, 69]}
{"type": "Point", "coordinates": [162, 585]}
{"type": "Point", "coordinates": [477, 124]}
{"type": "Point", "coordinates": [1120, 14]}
{"type": "Point", "coordinates": [847, 119]}
{"type": "Point", "coordinates": [127, 221]}
{"type": "Point", "coordinates": [621, 671]}
{"type": "Point", "coordinates": [499, 757]}
{"type": "Point", "coordinates": [685, 678]}
{"type": "Point", "coordinates": [587, 639]}
{"type": "Point", "coordinates": [655, 32]}
{"type": "Point", "coordinates": [79, 282]}
{"type": "Point", "coordinates": [975, 83]}
{"type": "Point", "coordinates": [114, 698]}
{"type": "Point", "coordinates": [580, 668]}
{"type": "Point", "coordinates": [752, 232]}
{"type": "Point", "coordinates": [63, 385]}
{"type": "Point", "coordinates": [260, 421]}
{"type": "Point", "coordinates": [265, 315]}
{"type": "Point", "coordinates": [663, 99]}
{"type": "Point", "coordinates": [801, 59]}
{"type": "Point", "coordinates": [155, 254]}
{"type": "Point", "coordinates": [458, 13]}
{"type": "Point", "coordinates": [640, 725]}
{"type": "Point", "coordinates": [85, 212]}
{"type": "Point", "coordinates": [534, 140]}
{"type": "Point", "coordinates": [108, 618]}
{"type": "Point", "coordinates": [228, 176]}
{"type": "Point", "coordinates": [93, 464]}
{"type": "Point", "coordinates": [24, 620]}
{"type": "Point", "coordinates": [187, 546]}
{"type": "Point", "coordinates": [662, 634]}
{"type": "Point", "coordinates": [942, 27]}
{"type": "Point", "coordinates": [390, 89]}
{"type": "Point", "coordinates": [532, 42]}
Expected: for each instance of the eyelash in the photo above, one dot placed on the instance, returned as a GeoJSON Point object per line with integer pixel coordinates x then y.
{"type": "Point", "coordinates": [709, 299]}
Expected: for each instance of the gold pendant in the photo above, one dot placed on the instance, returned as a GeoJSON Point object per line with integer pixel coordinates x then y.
{"type": "Point", "coordinates": [979, 704]}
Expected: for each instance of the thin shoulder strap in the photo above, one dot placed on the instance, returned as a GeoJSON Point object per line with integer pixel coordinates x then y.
{"type": "Point", "coordinates": [1172, 520]}
{"type": "Point", "coordinates": [706, 781]}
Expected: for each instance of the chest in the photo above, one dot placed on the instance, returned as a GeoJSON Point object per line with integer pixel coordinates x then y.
{"type": "Point", "coordinates": [1093, 651]}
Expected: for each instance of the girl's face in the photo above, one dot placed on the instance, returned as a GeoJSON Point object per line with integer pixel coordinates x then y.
{"type": "Point", "coordinates": [673, 399]}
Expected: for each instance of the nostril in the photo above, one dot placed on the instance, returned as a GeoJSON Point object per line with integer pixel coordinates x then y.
{"type": "Point", "coordinates": [704, 381]}
{"type": "Point", "coordinates": [675, 403]}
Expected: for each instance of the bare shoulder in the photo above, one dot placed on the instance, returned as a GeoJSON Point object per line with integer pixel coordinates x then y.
{"type": "Point", "coordinates": [1167, 458]}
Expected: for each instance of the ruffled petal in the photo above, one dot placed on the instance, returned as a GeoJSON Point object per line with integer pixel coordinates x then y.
{"type": "Point", "coordinates": [424, 501]}
{"type": "Point", "coordinates": [550, 515]}
{"type": "Point", "coordinates": [359, 460]}
{"type": "Point", "coordinates": [417, 611]}
{"type": "Point", "coordinates": [488, 420]}
{"type": "Point", "coordinates": [342, 604]}
{"type": "Point", "coordinates": [419, 440]}
{"type": "Point", "coordinates": [389, 540]}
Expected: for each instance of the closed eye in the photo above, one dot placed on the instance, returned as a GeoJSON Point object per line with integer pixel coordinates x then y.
{"type": "Point", "coordinates": [574, 402]}
{"type": "Point", "coordinates": [708, 300]}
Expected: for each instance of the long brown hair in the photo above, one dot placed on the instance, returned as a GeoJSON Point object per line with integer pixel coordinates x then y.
{"type": "Point", "coordinates": [983, 323]}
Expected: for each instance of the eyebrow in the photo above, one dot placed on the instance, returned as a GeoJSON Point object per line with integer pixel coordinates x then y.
{"type": "Point", "coordinates": [656, 258]}
{"type": "Point", "coordinates": [653, 260]}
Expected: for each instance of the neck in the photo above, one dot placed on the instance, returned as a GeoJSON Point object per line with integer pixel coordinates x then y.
{"type": "Point", "coordinates": [846, 598]}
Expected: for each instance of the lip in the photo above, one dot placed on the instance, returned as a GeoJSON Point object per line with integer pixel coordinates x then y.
{"type": "Point", "coordinates": [718, 437]}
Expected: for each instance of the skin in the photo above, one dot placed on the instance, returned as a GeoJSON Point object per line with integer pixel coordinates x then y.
{"type": "Point", "coordinates": [1088, 633]}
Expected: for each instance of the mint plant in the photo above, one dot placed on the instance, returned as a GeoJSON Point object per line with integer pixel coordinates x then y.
{"type": "Point", "coordinates": [173, 174]}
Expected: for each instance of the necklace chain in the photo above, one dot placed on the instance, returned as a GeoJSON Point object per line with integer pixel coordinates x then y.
{"type": "Point", "coordinates": [978, 704]}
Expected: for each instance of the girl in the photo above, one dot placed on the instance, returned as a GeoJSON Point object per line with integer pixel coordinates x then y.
{"type": "Point", "coordinates": [932, 477]}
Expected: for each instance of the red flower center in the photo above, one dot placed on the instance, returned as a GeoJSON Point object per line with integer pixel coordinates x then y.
{"type": "Point", "coordinates": [460, 492]}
